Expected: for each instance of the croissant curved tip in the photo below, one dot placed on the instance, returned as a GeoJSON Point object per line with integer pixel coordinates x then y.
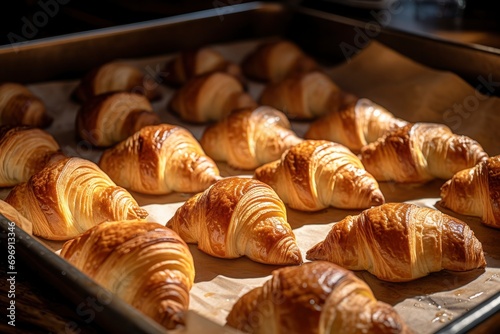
{"type": "Point", "coordinates": [377, 198]}
{"type": "Point", "coordinates": [315, 253]}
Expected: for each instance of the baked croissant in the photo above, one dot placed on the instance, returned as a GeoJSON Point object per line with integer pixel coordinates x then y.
{"type": "Point", "coordinates": [70, 196]}
{"type": "Point", "coordinates": [19, 106]}
{"type": "Point", "coordinates": [249, 138]}
{"type": "Point", "coordinates": [354, 125]}
{"type": "Point", "coordinates": [109, 118]}
{"type": "Point", "coordinates": [316, 297]}
{"type": "Point", "coordinates": [401, 242]}
{"type": "Point", "coordinates": [160, 159]}
{"type": "Point", "coordinates": [210, 97]}
{"type": "Point", "coordinates": [420, 152]}
{"type": "Point", "coordinates": [236, 217]}
{"type": "Point", "coordinates": [24, 151]}
{"type": "Point", "coordinates": [475, 192]}
{"type": "Point", "coordinates": [144, 263]}
{"type": "Point", "coordinates": [191, 63]}
{"type": "Point", "coordinates": [13, 215]}
{"type": "Point", "coordinates": [273, 61]}
{"type": "Point", "coordinates": [115, 76]}
{"type": "Point", "coordinates": [316, 174]}
{"type": "Point", "coordinates": [304, 96]}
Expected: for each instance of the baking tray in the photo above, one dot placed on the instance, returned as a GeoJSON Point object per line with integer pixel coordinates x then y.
{"type": "Point", "coordinates": [68, 57]}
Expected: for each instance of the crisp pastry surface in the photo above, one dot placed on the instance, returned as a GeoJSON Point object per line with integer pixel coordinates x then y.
{"type": "Point", "coordinates": [19, 106]}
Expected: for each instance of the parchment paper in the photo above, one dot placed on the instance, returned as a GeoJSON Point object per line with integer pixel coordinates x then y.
{"type": "Point", "coordinates": [409, 90]}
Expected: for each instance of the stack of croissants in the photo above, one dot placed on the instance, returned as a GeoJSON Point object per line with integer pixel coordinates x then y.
{"type": "Point", "coordinates": [351, 145]}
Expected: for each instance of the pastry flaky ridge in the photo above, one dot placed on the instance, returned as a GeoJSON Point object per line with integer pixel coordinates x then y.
{"type": "Point", "coordinates": [24, 150]}
{"type": "Point", "coordinates": [236, 217]}
{"type": "Point", "coordinates": [9, 212]}
{"type": "Point", "coordinates": [70, 196]}
{"type": "Point", "coordinates": [160, 159]}
{"type": "Point", "coordinates": [316, 297]}
{"type": "Point", "coordinates": [248, 138]}
{"type": "Point", "coordinates": [401, 242]}
{"type": "Point", "coordinates": [475, 192]}
{"type": "Point", "coordinates": [19, 106]}
{"type": "Point", "coordinates": [109, 118]}
{"type": "Point", "coordinates": [420, 152]}
{"type": "Point", "coordinates": [144, 263]}
{"type": "Point", "coordinates": [316, 174]}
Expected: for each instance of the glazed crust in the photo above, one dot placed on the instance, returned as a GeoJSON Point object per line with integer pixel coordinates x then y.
{"type": "Point", "coordinates": [19, 106]}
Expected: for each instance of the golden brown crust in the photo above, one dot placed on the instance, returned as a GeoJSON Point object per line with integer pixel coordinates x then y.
{"type": "Point", "coordinates": [303, 96]}
{"type": "Point", "coordinates": [273, 61]}
{"type": "Point", "coordinates": [210, 97]}
{"type": "Point", "coordinates": [317, 297]}
{"type": "Point", "coordinates": [236, 217]}
{"type": "Point", "coordinates": [24, 151]}
{"type": "Point", "coordinates": [109, 118]}
{"type": "Point", "coordinates": [191, 63]}
{"type": "Point", "coordinates": [401, 242]}
{"type": "Point", "coordinates": [19, 106]}
{"type": "Point", "coordinates": [316, 174]}
{"type": "Point", "coordinates": [11, 213]}
{"type": "Point", "coordinates": [144, 263]}
{"type": "Point", "coordinates": [112, 77]}
{"type": "Point", "coordinates": [354, 125]}
{"type": "Point", "coordinates": [160, 159]}
{"type": "Point", "coordinates": [70, 196]}
{"type": "Point", "coordinates": [420, 152]}
{"type": "Point", "coordinates": [475, 192]}
{"type": "Point", "coordinates": [249, 138]}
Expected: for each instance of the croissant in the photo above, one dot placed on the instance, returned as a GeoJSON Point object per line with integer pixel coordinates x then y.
{"type": "Point", "coordinates": [316, 297]}
{"type": "Point", "coordinates": [420, 152]}
{"type": "Point", "coordinates": [160, 159]}
{"type": "Point", "coordinates": [210, 97]}
{"type": "Point", "coordinates": [13, 215]}
{"type": "Point", "coordinates": [475, 192]}
{"type": "Point", "coordinates": [191, 63]}
{"type": "Point", "coordinates": [19, 106]}
{"type": "Point", "coordinates": [109, 118]}
{"type": "Point", "coordinates": [273, 61]}
{"type": "Point", "coordinates": [401, 242]}
{"type": "Point", "coordinates": [115, 76]}
{"type": "Point", "coordinates": [355, 125]}
{"type": "Point", "coordinates": [316, 174]}
{"type": "Point", "coordinates": [145, 264]}
{"type": "Point", "coordinates": [70, 196]}
{"type": "Point", "coordinates": [24, 151]}
{"type": "Point", "coordinates": [236, 217]}
{"type": "Point", "coordinates": [304, 96]}
{"type": "Point", "coordinates": [249, 138]}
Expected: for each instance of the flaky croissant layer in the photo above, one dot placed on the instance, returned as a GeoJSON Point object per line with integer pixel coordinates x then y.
{"type": "Point", "coordinates": [317, 297]}
{"type": "Point", "coordinates": [19, 106]}
{"type": "Point", "coordinates": [144, 263]}
{"type": "Point", "coordinates": [401, 242]}
{"type": "Point", "coordinates": [236, 217]}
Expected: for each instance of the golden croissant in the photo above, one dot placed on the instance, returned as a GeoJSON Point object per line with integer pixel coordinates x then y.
{"type": "Point", "coordinates": [273, 61]}
{"type": "Point", "coordinates": [249, 138]}
{"type": "Point", "coordinates": [354, 125]}
{"type": "Point", "coordinates": [70, 196]}
{"type": "Point", "coordinates": [420, 152]}
{"type": "Point", "coordinates": [109, 118]}
{"type": "Point", "coordinates": [475, 192]}
{"type": "Point", "coordinates": [304, 96]}
{"type": "Point", "coordinates": [144, 263]}
{"type": "Point", "coordinates": [192, 63]}
{"type": "Point", "coordinates": [210, 97]}
{"type": "Point", "coordinates": [19, 106]}
{"type": "Point", "coordinates": [13, 215]}
{"type": "Point", "coordinates": [237, 217]}
{"type": "Point", "coordinates": [401, 242]}
{"type": "Point", "coordinates": [112, 77]}
{"type": "Point", "coordinates": [160, 159]}
{"type": "Point", "coordinates": [316, 297]}
{"type": "Point", "coordinates": [316, 174]}
{"type": "Point", "coordinates": [24, 151]}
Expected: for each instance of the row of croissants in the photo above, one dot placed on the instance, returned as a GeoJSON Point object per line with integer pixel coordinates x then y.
{"type": "Point", "coordinates": [351, 146]}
